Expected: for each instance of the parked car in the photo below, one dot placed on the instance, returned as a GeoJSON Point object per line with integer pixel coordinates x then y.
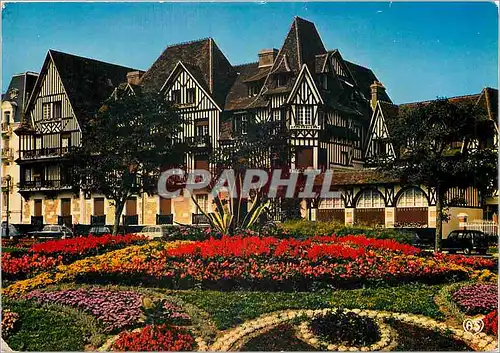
{"type": "Point", "coordinates": [14, 231]}
{"type": "Point", "coordinates": [466, 241]}
{"type": "Point", "coordinates": [99, 230]}
{"type": "Point", "coordinates": [158, 231]}
{"type": "Point", "coordinates": [52, 231]}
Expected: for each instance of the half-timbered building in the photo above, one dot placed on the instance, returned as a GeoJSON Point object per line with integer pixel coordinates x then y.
{"type": "Point", "coordinates": [68, 91]}
{"type": "Point", "coordinates": [334, 112]}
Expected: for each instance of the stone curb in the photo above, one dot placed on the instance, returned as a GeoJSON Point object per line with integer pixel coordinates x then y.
{"type": "Point", "coordinates": [228, 340]}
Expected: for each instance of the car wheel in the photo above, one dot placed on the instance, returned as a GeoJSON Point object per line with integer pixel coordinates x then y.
{"type": "Point", "coordinates": [467, 251]}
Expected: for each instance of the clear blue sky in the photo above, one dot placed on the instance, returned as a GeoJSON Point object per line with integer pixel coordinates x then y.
{"type": "Point", "coordinates": [418, 50]}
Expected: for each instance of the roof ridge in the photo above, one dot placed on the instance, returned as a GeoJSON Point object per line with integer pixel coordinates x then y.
{"type": "Point", "coordinates": [188, 42]}
{"type": "Point", "coordinates": [246, 64]}
{"type": "Point", "coordinates": [454, 97]}
{"type": "Point", "coordinates": [92, 59]}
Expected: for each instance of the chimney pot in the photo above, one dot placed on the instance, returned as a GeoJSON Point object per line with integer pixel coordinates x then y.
{"type": "Point", "coordinates": [266, 57]}
{"type": "Point", "coordinates": [134, 77]}
{"type": "Point", "coordinates": [377, 89]}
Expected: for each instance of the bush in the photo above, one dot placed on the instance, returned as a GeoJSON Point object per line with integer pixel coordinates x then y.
{"type": "Point", "coordinates": [304, 228]}
{"type": "Point", "coordinates": [155, 338]}
{"type": "Point", "coordinates": [347, 328]}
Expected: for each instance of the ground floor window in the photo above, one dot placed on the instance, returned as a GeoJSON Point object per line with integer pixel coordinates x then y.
{"type": "Point", "coordinates": [412, 198]}
{"type": "Point", "coordinates": [370, 199]}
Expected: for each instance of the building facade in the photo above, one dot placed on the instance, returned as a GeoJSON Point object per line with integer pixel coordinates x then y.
{"type": "Point", "coordinates": [14, 102]}
{"type": "Point", "coordinates": [333, 110]}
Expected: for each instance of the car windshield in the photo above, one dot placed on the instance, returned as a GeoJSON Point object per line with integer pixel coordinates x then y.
{"type": "Point", "coordinates": [51, 228]}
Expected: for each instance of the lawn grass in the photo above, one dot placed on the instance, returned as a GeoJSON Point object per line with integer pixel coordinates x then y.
{"type": "Point", "coordinates": [51, 328]}
{"type": "Point", "coordinates": [229, 309]}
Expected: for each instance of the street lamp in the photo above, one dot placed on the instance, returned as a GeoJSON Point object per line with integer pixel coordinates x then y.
{"type": "Point", "coordinates": [8, 179]}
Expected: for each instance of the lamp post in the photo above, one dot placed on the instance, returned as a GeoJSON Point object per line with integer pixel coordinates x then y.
{"type": "Point", "coordinates": [8, 179]}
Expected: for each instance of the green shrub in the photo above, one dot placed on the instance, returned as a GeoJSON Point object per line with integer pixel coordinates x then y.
{"type": "Point", "coordinates": [305, 228]}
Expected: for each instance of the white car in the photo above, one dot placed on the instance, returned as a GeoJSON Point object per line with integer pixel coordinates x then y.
{"type": "Point", "coordinates": [159, 231]}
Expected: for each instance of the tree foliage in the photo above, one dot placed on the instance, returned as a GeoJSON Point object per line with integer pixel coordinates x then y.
{"type": "Point", "coordinates": [125, 146]}
{"type": "Point", "coordinates": [436, 147]}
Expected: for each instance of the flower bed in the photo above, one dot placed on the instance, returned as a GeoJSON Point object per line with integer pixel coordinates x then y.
{"type": "Point", "coordinates": [341, 330]}
{"type": "Point", "coordinates": [114, 309]}
{"type": "Point", "coordinates": [155, 338]}
{"type": "Point", "coordinates": [346, 328]}
{"type": "Point", "coordinates": [477, 298]}
{"type": "Point", "coordinates": [491, 323]}
{"type": "Point", "coordinates": [47, 255]}
{"type": "Point", "coordinates": [9, 320]}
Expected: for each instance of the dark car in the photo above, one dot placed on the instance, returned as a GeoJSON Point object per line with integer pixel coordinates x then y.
{"type": "Point", "coordinates": [14, 231]}
{"type": "Point", "coordinates": [466, 241]}
{"type": "Point", "coordinates": [99, 230]}
{"type": "Point", "coordinates": [52, 231]}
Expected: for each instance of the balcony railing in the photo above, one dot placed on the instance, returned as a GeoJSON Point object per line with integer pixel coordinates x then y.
{"type": "Point", "coordinates": [164, 219]}
{"type": "Point", "coordinates": [37, 221]}
{"type": "Point", "coordinates": [199, 218]}
{"type": "Point", "coordinates": [198, 141]}
{"type": "Point", "coordinates": [487, 227]}
{"type": "Point", "coordinates": [44, 185]}
{"type": "Point", "coordinates": [98, 220]}
{"type": "Point", "coordinates": [51, 152]}
{"type": "Point", "coordinates": [130, 220]}
{"type": "Point", "coordinates": [65, 220]}
{"type": "Point", "coordinates": [7, 153]}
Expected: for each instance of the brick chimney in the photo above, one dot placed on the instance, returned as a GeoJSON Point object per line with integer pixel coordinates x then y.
{"type": "Point", "coordinates": [267, 56]}
{"type": "Point", "coordinates": [377, 89]}
{"type": "Point", "coordinates": [134, 77]}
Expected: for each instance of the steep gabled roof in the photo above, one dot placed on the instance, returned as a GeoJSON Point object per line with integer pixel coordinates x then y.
{"type": "Point", "coordinates": [238, 95]}
{"type": "Point", "coordinates": [87, 82]}
{"type": "Point", "coordinates": [18, 93]}
{"type": "Point", "coordinates": [364, 78]}
{"type": "Point", "coordinates": [203, 59]}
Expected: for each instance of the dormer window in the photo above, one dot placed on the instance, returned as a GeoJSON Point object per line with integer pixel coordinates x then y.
{"type": "Point", "coordinates": [253, 89]}
{"type": "Point", "coordinates": [281, 80]}
{"type": "Point", "coordinates": [241, 124]}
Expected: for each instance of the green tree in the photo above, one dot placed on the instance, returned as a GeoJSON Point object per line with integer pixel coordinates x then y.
{"type": "Point", "coordinates": [432, 142]}
{"type": "Point", "coordinates": [126, 145]}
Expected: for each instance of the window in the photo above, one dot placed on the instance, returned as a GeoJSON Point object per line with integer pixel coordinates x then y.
{"type": "Point", "coordinates": [344, 158]}
{"type": "Point", "coordinates": [47, 111]}
{"type": "Point", "coordinates": [190, 95]}
{"type": "Point", "coordinates": [359, 133]}
{"type": "Point", "coordinates": [241, 124]}
{"type": "Point", "coordinates": [379, 147]}
{"type": "Point", "coordinates": [281, 80]}
{"type": "Point", "coordinates": [370, 199]}
{"type": "Point", "coordinates": [412, 198]}
{"type": "Point", "coordinates": [253, 90]}
{"type": "Point", "coordinates": [6, 117]}
{"type": "Point", "coordinates": [304, 115]}
{"type": "Point", "coordinates": [176, 96]}
{"type": "Point", "coordinates": [38, 142]}
{"type": "Point", "coordinates": [331, 203]}
{"type": "Point", "coordinates": [65, 141]}
{"type": "Point", "coordinates": [276, 115]}
{"type": "Point", "coordinates": [51, 111]}
{"type": "Point", "coordinates": [324, 81]}
{"type": "Point", "coordinates": [202, 128]}
{"type": "Point", "coordinates": [202, 200]}
{"type": "Point", "coordinates": [56, 110]}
